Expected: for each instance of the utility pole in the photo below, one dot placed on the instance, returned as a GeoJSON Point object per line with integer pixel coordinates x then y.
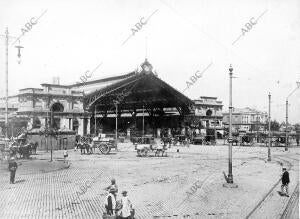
{"type": "Point", "coordinates": [7, 37]}
{"type": "Point", "coordinates": [6, 83]}
{"type": "Point", "coordinates": [286, 124]}
{"type": "Point", "coordinates": [229, 178]}
{"type": "Point", "coordinates": [287, 116]}
{"type": "Point", "coordinates": [269, 137]}
{"type": "Point", "coordinates": [51, 133]}
{"type": "Point", "coordinates": [215, 126]}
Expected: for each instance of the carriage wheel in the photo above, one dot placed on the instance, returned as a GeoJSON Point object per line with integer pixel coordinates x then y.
{"type": "Point", "coordinates": [104, 148]}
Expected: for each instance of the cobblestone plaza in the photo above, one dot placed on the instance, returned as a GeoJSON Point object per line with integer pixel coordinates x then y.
{"type": "Point", "coordinates": [159, 187]}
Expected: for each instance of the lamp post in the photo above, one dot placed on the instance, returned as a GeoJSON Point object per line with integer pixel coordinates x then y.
{"type": "Point", "coordinates": [51, 132]}
{"type": "Point", "coordinates": [6, 83]}
{"type": "Point", "coordinates": [229, 177]}
{"type": "Point", "coordinates": [7, 37]}
{"type": "Point", "coordinates": [215, 133]}
{"type": "Point", "coordinates": [287, 116]}
{"type": "Point", "coordinates": [269, 137]}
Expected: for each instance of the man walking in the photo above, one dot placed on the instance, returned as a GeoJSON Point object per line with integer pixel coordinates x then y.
{"type": "Point", "coordinates": [285, 179]}
{"type": "Point", "coordinates": [12, 167]}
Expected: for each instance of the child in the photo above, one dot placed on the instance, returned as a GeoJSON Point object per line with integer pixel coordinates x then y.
{"type": "Point", "coordinates": [65, 155]}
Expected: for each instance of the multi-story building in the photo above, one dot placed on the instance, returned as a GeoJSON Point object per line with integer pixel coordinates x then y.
{"type": "Point", "coordinates": [208, 111]}
{"type": "Point", "coordinates": [246, 119]}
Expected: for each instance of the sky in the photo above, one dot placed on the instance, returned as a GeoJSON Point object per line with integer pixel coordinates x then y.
{"type": "Point", "coordinates": [181, 38]}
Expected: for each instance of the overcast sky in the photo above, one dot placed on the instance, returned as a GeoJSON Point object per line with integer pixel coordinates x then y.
{"type": "Point", "coordinates": [183, 37]}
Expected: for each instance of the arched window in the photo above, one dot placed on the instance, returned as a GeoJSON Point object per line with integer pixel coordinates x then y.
{"type": "Point", "coordinates": [208, 112]}
{"type": "Point", "coordinates": [36, 123]}
{"type": "Point", "coordinates": [57, 107]}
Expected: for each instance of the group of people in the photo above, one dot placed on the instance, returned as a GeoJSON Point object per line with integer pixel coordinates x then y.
{"type": "Point", "coordinates": [121, 208]}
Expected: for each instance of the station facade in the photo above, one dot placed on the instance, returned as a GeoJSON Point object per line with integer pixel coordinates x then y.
{"type": "Point", "coordinates": [141, 101]}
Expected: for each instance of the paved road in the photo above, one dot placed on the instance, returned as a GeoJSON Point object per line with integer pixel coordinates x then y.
{"type": "Point", "coordinates": [185, 183]}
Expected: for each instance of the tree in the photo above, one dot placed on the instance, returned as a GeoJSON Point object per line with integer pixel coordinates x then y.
{"type": "Point", "coordinates": [275, 125]}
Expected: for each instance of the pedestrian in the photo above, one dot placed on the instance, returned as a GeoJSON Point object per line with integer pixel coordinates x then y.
{"type": "Point", "coordinates": [12, 167]}
{"type": "Point", "coordinates": [285, 179]}
{"type": "Point", "coordinates": [65, 155]}
{"type": "Point", "coordinates": [113, 187]}
{"type": "Point", "coordinates": [110, 203]}
{"type": "Point", "coordinates": [126, 212]}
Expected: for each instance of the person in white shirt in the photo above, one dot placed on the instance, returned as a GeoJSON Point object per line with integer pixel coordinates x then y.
{"type": "Point", "coordinates": [126, 209]}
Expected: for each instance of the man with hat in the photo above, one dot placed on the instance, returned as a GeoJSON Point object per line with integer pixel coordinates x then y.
{"type": "Point", "coordinates": [12, 167]}
{"type": "Point", "coordinates": [113, 187]}
{"type": "Point", "coordinates": [126, 211]}
{"type": "Point", "coordinates": [285, 179]}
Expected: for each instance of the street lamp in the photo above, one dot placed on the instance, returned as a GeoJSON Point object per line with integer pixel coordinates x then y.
{"type": "Point", "coordinates": [229, 178]}
{"type": "Point", "coordinates": [269, 137]}
{"type": "Point", "coordinates": [7, 37]}
{"type": "Point", "coordinates": [287, 116]}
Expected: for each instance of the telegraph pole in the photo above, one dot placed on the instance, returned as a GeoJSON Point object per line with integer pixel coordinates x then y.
{"type": "Point", "coordinates": [6, 82]}
{"type": "Point", "coordinates": [269, 137]}
{"type": "Point", "coordinates": [286, 124]}
{"type": "Point", "coordinates": [287, 115]}
{"type": "Point", "coordinates": [7, 37]}
{"type": "Point", "coordinates": [229, 178]}
{"type": "Point", "coordinates": [215, 127]}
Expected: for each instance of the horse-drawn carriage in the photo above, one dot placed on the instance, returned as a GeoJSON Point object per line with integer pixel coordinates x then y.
{"type": "Point", "coordinates": [247, 139]}
{"type": "Point", "coordinates": [104, 142]}
{"type": "Point", "coordinates": [198, 139]}
{"type": "Point", "coordinates": [209, 140]}
{"type": "Point", "coordinates": [17, 147]}
{"type": "Point", "coordinates": [145, 146]}
{"type": "Point", "coordinates": [279, 139]}
{"type": "Point", "coordinates": [181, 140]}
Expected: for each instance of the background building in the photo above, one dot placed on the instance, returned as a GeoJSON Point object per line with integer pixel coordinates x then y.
{"type": "Point", "coordinates": [246, 119]}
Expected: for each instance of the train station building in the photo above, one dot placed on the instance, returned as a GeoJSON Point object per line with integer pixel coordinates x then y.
{"type": "Point", "coordinates": [140, 100]}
